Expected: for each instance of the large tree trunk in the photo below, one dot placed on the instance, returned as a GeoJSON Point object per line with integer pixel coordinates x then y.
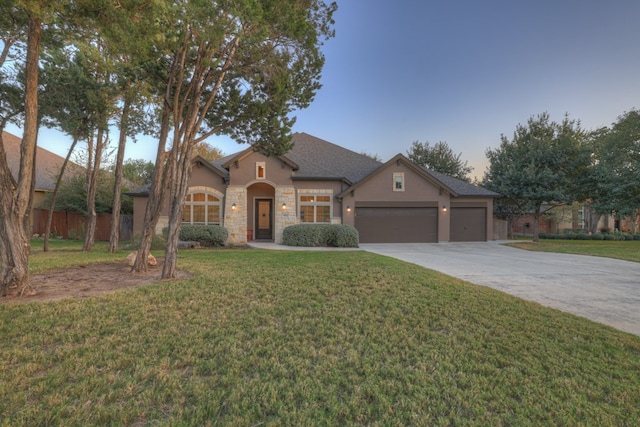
{"type": "Point", "coordinates": [178, 190]}
{"type": "Point", "coordinates": [15, 195]}
{"type": "Point", "coordinates": [114, 235]}
{"type": "Point", "coordinates": [92, 183]}
{"type": "Point", "coordinates": [156, 197]}
{"type": "Point", "coordinates": [54, 196]}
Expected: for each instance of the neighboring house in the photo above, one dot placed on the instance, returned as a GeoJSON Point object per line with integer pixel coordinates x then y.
{"type": "Point", "coordinates": [47, 166]}
{"type": "Point", "coordinates": [256, 197]}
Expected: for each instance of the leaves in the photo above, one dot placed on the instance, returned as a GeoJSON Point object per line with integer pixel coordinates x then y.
{"type": "Point", "coordinates": [439, 158]}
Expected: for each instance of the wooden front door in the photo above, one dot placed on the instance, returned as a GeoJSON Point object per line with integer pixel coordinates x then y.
{"type": "Point", "coordinates": [264, 220]}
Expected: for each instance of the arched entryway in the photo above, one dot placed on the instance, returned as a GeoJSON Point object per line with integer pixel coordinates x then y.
{"type": "Point", "coordinates": [260, 211]}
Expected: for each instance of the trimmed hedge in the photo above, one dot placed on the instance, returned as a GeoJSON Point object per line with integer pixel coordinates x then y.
{"type": "Point", "coordinates": [312, 235]}
{"type": "Point", "coordinates": [569, 235]}
{"type": "Point", "coordinates": [206, 235]}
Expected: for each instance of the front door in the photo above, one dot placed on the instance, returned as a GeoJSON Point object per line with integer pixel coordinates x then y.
{"type": "Point", "coordinates": [264, 219]}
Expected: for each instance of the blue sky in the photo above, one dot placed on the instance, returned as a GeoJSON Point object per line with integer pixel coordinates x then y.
{"type": "Point", "coordinates": [464, 72]}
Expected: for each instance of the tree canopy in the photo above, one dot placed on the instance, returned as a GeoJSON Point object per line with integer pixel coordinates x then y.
{"type": "Point", "coordinates": [440, 158]}
{"type": "Point", "coordinates": [538, 166]}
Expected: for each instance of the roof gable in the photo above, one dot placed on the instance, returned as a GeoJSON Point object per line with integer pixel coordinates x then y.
{"type": "Point", "coordinates": [451, 185]}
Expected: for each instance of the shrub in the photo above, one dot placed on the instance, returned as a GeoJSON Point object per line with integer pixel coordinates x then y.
{"type": "Point", "coordinates": [609, 237]}
{"type": "Point", "coordinates": [158, 242]}
{"type": "Point", "coordinates": [206, 235]}
{"type": "Point", "coordinates": [312, 235]}
{"type": "Point", "coordinates": [582, 236]}
{"type": "Point", "coordinates": [569, 236]}
{"type": "Point", "coordinates": [597, 236]}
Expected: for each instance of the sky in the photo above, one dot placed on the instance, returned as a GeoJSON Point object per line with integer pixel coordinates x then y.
{"type": "Point", "coordinates": [461, 71]}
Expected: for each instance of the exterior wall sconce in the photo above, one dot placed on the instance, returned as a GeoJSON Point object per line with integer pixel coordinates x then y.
{"type": "Point", "coordinates": [233, 207]}
{"type": "Point", "coordinates": [444, 208]}
{"type": "Point", "coordinates": [284, 206]}
{"type": "Point", "coordinates": [348, 208]}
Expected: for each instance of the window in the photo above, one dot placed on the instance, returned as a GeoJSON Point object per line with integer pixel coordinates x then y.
{"type": "Point", "coordinates": [398, 181]}
{"type": "Point", "coordinates": [260, 170]}
{"type": "Point", "coordinates": [315, 207]}
{"type": "Point", "coordinates": [201, 208]}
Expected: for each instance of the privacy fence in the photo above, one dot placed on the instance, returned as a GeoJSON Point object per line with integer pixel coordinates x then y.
{"type": "Point", "coordinates": [71, 225]}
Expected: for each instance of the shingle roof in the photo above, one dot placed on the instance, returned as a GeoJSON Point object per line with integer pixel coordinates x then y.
{"type": "Point", "coordinates": [47, 164]}
{"type": "Point", "coordinates": [317, 158]}
{"type": "Point", "coordinates": [461, 188]}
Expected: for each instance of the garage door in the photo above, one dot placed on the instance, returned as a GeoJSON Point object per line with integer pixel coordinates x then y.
{"type": "Point", "coordinates": [468, 225]}
{"type": "Point", "coordinates": [397, 224]}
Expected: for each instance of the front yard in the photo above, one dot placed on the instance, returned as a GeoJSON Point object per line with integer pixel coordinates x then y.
{"type": "Point", "coordinates": [628, 250]}
{"type": "Point", "coordinates": [307, 338]}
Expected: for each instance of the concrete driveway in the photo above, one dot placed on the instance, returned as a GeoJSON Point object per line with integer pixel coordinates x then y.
{"type": "Point", "coordinates": [601, 289]}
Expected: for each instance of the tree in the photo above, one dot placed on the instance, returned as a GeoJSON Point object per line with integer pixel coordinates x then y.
{"type": "Point", "coordinates": [618, 167]}
{"type": "Point", "coordinates": [538, 166]}
{"type": "Point", "coordinates": [236, 68]}
{"type": "Point", "coordinates": [440, 158]}
{"type": "Point", "coordinates": [208, 152]}
{"type": "Point", "coordinates": [16, 196]}
{"type": "Point", "coordinates": [137, 171]}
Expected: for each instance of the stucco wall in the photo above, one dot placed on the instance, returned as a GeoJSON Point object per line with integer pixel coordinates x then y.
{"type": "Point", "coordinates": [379, 188]}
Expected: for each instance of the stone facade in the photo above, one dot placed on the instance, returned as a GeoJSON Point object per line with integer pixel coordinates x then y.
{"type": "Point", "coordinates": [235, 214]}
{"type": "Point", "coordinates": [284, 217]}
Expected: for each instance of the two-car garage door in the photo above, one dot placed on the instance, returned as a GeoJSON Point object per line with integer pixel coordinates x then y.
{"type": "Point", "coordinates": [397, 224]}
{"type": "Point", "coordinates": [418, 224]}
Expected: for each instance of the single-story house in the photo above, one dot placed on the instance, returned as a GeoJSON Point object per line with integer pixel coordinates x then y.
{"type": "Point", "coordinates": [47, 166]}
{"type": "Point", "coordinates": [255, 197]}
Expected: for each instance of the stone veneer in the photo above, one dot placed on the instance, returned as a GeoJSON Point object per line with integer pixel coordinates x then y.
{"type": "Point", "coordinates": [284, 217]}
{"type": "Point", "coordinates": [235, 220]}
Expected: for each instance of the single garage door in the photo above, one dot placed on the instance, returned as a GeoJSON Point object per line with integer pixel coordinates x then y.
{"type": "Point", "coordinates": [397, 224]}
{"type": "Point", "coordinates": [468, 225]}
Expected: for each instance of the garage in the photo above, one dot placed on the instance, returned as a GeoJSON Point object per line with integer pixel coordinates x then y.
{"type": "Point", "coordinates": [468, 224]}
{"type": "Point", "coordinates": [397, 224]}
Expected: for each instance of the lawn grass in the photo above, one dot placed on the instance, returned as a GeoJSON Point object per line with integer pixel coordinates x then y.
{"type": "Point", "coordinates": [628, 250]}
{"type": "Point", "coordinates": [310, 338]}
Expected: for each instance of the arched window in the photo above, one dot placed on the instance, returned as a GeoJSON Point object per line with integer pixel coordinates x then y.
{"type": "Point", "coordinates": [201, 208]}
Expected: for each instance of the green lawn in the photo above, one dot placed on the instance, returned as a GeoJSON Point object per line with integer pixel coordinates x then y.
{"type": "Point", "coordinates": [627, 249]}
{"type": "Point", "coordinates": [309, 338]}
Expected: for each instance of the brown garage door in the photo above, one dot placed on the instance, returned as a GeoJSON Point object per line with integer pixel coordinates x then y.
{"type": "Point", "coordinates": [468, 225]}
{"type": "Point", "coordinates": [397, 224]}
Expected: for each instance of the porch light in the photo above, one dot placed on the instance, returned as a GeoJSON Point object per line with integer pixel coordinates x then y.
{"type": "Point", "coordinates": [284, 206]}
{"type": "Point", "coordinates": [233, 206]}
{"type": "Point", "coordinates": [348, 208]}
{"type": "Point", "coordinates": [444, 208]}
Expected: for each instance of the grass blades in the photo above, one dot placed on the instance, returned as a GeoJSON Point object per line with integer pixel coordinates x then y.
{"type": "Point", "coordinates": [310, 338]}
{"type": "Point", "coordinates": [628, 250]}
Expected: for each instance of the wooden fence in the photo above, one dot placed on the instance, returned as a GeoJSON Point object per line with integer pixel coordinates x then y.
{"type": "Point", "coordinates": [71, 225]}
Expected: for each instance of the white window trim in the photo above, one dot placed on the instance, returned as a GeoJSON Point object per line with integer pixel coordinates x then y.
{"type": "Point", "coordinates": [206, 204]}
{"type": "Point", "coordinates": [264, 171]}
{"type": "Point", "coordinates": [315, 203]}
{"type": "Point", "coordinates": [401, 176]}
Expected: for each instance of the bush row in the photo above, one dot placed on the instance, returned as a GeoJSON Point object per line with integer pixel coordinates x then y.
{"type": "Point", "coordinates": [312, 235]}
{"type": "Point", "coordinates": [206, 235]}
{"type": "Point", "coordinates": [594, 236]}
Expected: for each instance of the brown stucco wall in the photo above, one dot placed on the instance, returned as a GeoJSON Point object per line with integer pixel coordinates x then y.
{"type": "Point", "coordinates": [379, 188]}
{"type": "Point", "coordinates": [277, 172]}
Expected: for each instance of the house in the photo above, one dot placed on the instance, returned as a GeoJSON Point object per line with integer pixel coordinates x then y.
{"type": "Point", "coordinates": [256, 197]}
{"type": "Point", "coordinates": [47, 166]}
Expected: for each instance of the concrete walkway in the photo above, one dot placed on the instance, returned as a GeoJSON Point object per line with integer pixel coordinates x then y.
{"type": "Point", "coordinates": [601, 289]}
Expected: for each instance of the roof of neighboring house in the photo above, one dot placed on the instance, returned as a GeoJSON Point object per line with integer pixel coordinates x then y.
{"type": "Point", "coordinates": [47, 163]}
